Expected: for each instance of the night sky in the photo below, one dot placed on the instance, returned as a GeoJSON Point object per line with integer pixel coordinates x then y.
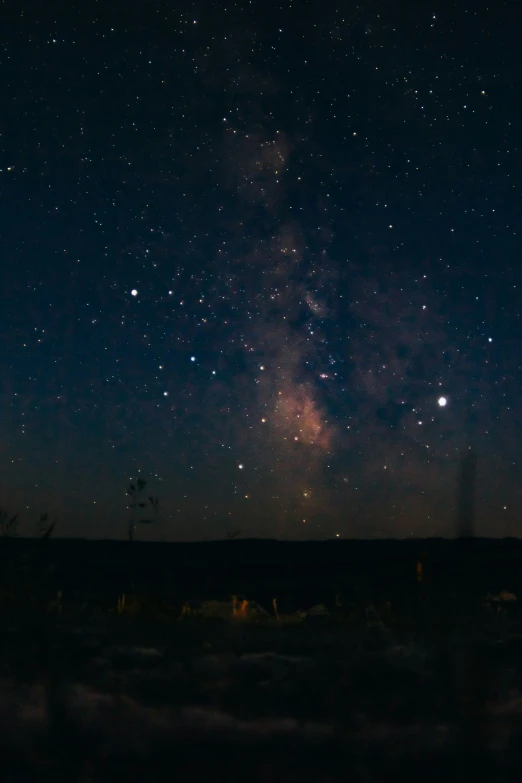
{"type": "Point", "coordinates": [248, 251]}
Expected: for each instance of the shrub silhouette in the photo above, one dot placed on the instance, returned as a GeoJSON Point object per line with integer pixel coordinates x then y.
{"type": "Point", "coordinates": [135, 492]}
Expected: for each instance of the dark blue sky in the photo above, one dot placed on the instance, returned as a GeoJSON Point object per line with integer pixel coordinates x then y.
{"type": "Point", "coordinates": [246, 249]}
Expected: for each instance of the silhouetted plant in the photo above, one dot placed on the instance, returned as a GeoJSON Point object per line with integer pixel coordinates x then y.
{"type": "Point", "coordinates": [232, 534]}
{"type": "Point", "coordinates": [135, 491]}
{"type": "Point", "coordinates": [8, 524]}
{"type": "Point", "coordinates": [46, 528]}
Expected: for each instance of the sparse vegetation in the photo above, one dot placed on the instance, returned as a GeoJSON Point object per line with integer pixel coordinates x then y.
{"type": "Point", "coordinates": [10, 525]}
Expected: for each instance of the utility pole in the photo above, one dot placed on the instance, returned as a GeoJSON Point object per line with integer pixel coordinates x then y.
{"type": "Point", "coordinates": [466, 496]}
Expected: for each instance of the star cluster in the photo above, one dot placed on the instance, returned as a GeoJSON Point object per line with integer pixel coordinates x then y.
{"type": "Point", "coordinates": [267, 260]}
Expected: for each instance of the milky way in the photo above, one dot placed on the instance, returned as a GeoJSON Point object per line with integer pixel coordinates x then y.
{"type": "Point", "coordinates": [246, 254]}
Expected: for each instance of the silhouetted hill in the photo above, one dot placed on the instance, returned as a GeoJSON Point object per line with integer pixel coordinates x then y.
{"type": "Point", "coordinates": [260, 551]}
{"type": "Point", "coordinates": [263, 569]}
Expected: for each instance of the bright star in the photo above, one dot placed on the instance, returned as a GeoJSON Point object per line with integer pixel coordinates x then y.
{"type": "Point", "coordinates": [442, 401]}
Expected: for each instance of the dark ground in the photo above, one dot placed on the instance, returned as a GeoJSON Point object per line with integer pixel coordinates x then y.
{"type": "Point", "coordinates": [130, 662]}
